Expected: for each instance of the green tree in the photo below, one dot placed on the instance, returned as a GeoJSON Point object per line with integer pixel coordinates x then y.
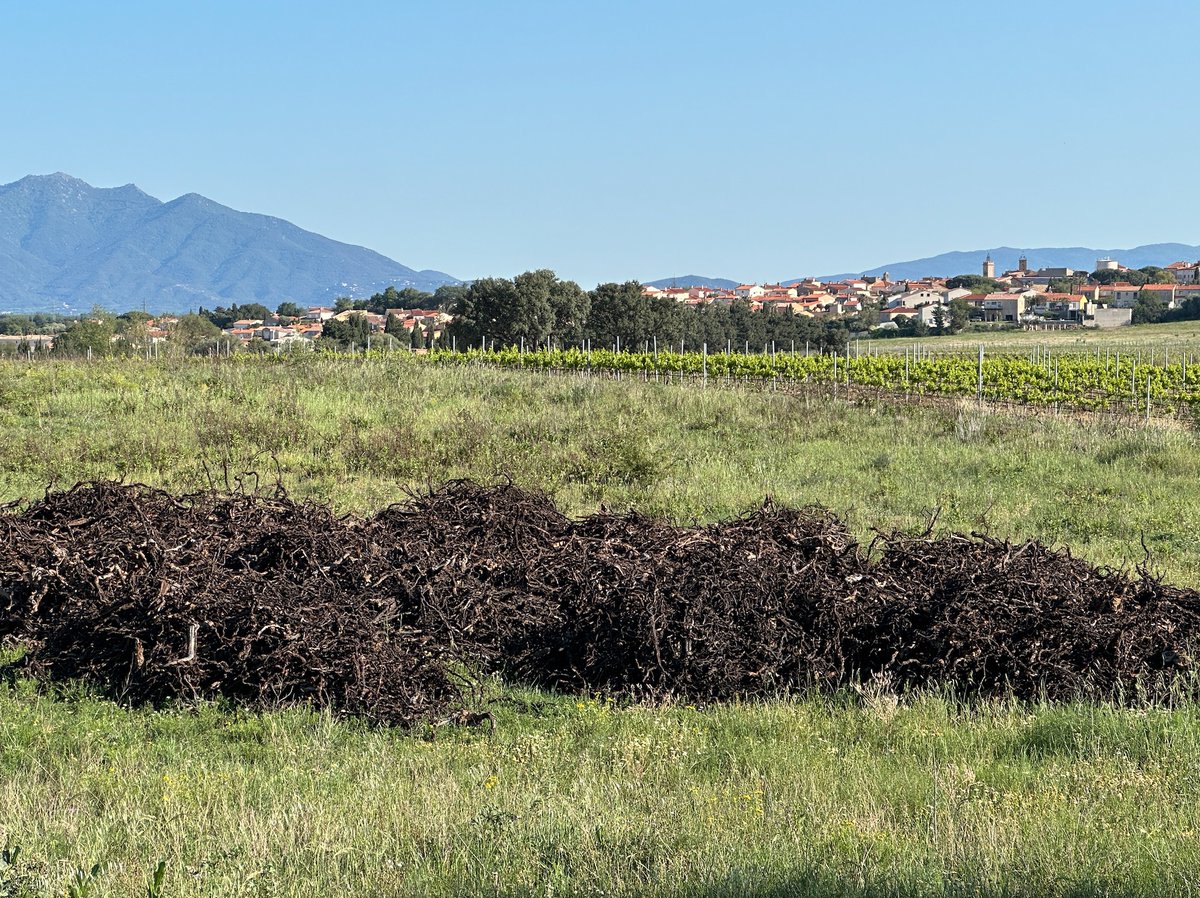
{"type": "Point", "coordinates": [1067, 285]}
{"type": "Point", "coordinates": [195, 334]}
{"type": "Point", "coordinates": [1156, 275]}
{"type": "Point", "coordinates": [223, 317]}
{"type": "Point", "coordinates": [447, 296]}
{"type": "Point", "coordinates": [395, 326]}
{"type": "Point", "coordinates": [1149, 309]}
{"type": "Point", "coordinates": [619, 311]}
{"type": "Point", "coordinates": [89, 335]}
{"type": "Point", "coordinates": [353, 332]}
{"type": "Point", "coordinates": [569, 305]}
{"type": "Point", "coordinates": [960, 314]}
{"type": "Point", "coordinates": [1114, 276]}
{"type": "Point", "coordinates": [975, 283]}
{"type": "Point", "coordinates": [495, 309]}
{"type": "Point", "coordinates": [289, 309]}
{"type": "Point", "coordinates": [391, 298]}
{"type": "Point", "coordinates": [940, 320]}
{"type": "Point", "coordinates": [347, 304]}
{"type": "Point", "coordinates": [418, 337]}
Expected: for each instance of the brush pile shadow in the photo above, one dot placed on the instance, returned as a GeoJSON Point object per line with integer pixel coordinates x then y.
{"type": "Point", "coordinates": [265, 601]}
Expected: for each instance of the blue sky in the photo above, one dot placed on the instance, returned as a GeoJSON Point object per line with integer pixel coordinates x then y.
{"type": "Point", "coordinates": [628, 140]}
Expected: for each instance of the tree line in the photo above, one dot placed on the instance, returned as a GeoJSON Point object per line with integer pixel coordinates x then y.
{"type": "Point", "coordinates": [538, 308]}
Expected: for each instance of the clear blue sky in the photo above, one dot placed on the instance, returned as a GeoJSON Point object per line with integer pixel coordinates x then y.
{"type": "Point", "coordinates": [623, 140]}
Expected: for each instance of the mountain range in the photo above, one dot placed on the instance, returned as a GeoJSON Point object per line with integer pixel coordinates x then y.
{"type": "Point", "coordinates": [1081, 258]}
{"type": "Point", "coordinates": [66, 246]}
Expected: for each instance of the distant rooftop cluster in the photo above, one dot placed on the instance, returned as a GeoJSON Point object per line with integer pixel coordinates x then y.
{"type": "Point", "coordinates": [1021, 296]}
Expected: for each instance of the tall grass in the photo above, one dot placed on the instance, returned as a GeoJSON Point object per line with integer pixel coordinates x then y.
{"type": "Point", "coordinates": [862, 797]}
{"type": "Point", "coordinates": [863, 794]}
{"type": "Point", "coordinates": [360, 434]}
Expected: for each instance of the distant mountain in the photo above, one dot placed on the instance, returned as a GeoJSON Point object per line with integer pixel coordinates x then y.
{"type": "Point", "coordinates": [693, 280]}
{"type": "Point", "coordinates": [65, 245]}
{"type": "Point", "coordinates": [1005, 257]}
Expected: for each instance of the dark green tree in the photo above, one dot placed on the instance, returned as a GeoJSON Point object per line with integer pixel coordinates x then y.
{"type": "Point", "coordinates": [1115, 276]}
{"type": "Point", "coordinates": [445, 297]}
{"type": "Point", "coordinates": [618, 311]}
{"type": "Point", "coordinates": [960, 314]}
{"type": "Point", "coordinates": [351, 333]}
{"type": "Point", "coordinates": [496, 309]}
{"type": "Point", "coordinates": [975, 283]}
{"type": "Point", "coordinates": [395, 326]}
{"type": "Point", "coordinates": [1149, 309]}
{"type": "Point", "coordinates": [223, 317]}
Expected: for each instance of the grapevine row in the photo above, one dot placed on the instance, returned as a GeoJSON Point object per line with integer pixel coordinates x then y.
{"type": "Point", "coordinates": [1074, 380]}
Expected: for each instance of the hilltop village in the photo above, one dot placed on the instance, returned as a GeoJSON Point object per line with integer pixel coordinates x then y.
{"type": "Point", "coordinates": [1021, 297]}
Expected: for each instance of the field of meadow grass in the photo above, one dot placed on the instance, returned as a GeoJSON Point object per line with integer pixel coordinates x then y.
{"type": "Point", "coordinates": [861, 794]}
{"type": "Point", "coordinates": [865, 795]}
{"type": "Point", "coordinates": [360, 433]}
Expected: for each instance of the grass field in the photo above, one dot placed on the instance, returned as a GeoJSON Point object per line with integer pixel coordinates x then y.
{"type": "Point", "coordinates": [861, 795]}
{"type": "Point", "coordinates": [578, 797]}
{"type": "Point", "coordinates": [358, 434]}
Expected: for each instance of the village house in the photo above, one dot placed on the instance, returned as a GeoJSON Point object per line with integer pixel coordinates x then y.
{"type": "Point", "coordinates": [1185, 272]}
{"type": "Point", "coordinates": [1060, 306]}
{"type": "Point", "coordinates": [1001, 307]}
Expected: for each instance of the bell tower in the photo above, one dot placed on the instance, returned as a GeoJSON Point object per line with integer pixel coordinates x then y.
{"type": "Point", "coordinates": [989, 267]}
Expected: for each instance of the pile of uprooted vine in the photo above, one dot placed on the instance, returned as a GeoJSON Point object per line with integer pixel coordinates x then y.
{"type": "Point", "coordinates": [265, 601]}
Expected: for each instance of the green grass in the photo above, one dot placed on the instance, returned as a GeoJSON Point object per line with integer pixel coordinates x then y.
{"type": "Point", "coordinates": [855, 795]}
{"type": "Point", "coordinates": [567, 797]}
{"type": "Point", "coordinates": [358, 435]}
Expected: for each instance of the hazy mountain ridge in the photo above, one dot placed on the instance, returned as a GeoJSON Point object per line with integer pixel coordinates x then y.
{"type": "Point", "coordinates": [693, 280]}
{"type": "Point", "coordinates": [1081, 258]}
{"type": "Point", "coordinates": [949, 264]}
{"type": "Point", "coordinates": [67, 245]}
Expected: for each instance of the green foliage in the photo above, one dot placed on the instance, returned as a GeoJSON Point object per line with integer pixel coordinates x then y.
{"type": "Point", "coordinates": [1149, 309]}
{"type": "Point", "coordinates": [195, 334]}
{"type": "Point", "coordinates": [1080, 381]}
{"type": "Point", "coordinates": [1067, 285]}
{"type": "Point", "coordinates": [1151, 274]}
{"type": "Point", "coordinates": [89, 336]}
{"type": "Point", "coordinates": [1157, 275]}
{"type": "Point", "coordinates": [289, 310]}
{"type": "Point", "coordinates": [354, 331]}
{"type": "Point", "coordinates": [621, 312]}
{"type": "Point", "coordinates": [348, 304]}
{"type": "Point", "coordinates": [224, 317]}
{"type": "Point", "coordinates": [84, 883]}
{"type": "Point", "coordinates": [960, 314]}
{"type": "Point", "coordinates": [975, 283]}
{"type": "Point", "coordinates": [36, 323]}
{"type": "Point", "coordinates": [157, 881]}
{"type": "Point", "coordinates": [395, 326]}
{"type": "Point", "coordinates": [447, 296]}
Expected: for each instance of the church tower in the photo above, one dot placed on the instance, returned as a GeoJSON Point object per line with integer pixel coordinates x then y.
{"type": "Point", "coordinates": [989, 267]}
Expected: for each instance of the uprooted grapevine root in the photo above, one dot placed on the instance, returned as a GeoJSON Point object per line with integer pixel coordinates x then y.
{"type": "Point", "coordinates": [265, 601]}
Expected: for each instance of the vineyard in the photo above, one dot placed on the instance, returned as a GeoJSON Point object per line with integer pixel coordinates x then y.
{"type": "Point", "coordinates": [1146, 384]}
